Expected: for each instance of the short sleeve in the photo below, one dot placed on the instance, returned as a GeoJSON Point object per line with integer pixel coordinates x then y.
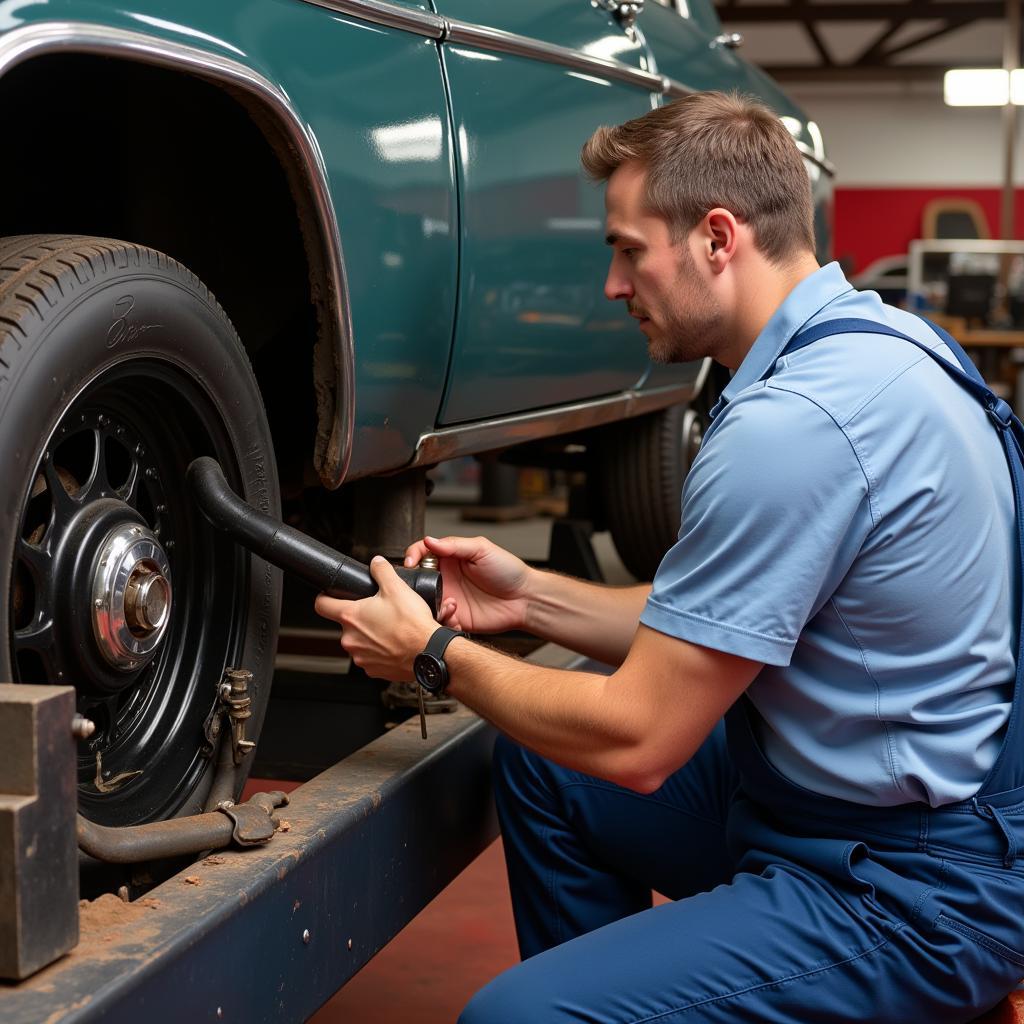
{"type": "Point", "coordinates": [774, 510]}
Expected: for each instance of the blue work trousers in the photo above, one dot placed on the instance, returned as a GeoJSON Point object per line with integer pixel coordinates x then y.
{"type": "Point", "coordinates": [788, 906]}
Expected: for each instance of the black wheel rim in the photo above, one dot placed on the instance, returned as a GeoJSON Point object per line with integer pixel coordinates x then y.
{"type": "Point", "coordinates": [120, 450]}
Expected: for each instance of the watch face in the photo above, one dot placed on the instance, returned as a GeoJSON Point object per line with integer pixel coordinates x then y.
{"type": "Point", "coordinates": [430, 672]}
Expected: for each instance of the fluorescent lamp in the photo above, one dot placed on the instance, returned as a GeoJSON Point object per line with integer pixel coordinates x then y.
{"type": "Point", "coordinates": [1017, 86]}
{"type": "Point", "coordinates": [977, 87]}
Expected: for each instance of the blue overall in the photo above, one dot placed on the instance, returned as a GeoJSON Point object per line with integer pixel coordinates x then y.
{"type": "Point", "coordinates": [788, 906]}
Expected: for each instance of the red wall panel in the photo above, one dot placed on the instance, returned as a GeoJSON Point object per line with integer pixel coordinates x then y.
{"type": "Point", "coordinates": [875, 222]}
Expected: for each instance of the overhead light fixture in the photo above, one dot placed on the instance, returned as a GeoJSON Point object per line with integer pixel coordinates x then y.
{"type": "Point", "coordinates": [979, 87]}
{"type": "Point", "coordinates": [1017, 87]}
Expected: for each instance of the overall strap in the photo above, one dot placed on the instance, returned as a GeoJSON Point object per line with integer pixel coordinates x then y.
{"type": "Point", "coordinates": [1011, 432]}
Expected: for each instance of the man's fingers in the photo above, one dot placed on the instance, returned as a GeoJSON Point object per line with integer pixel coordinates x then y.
{"type": "Point", "coordinates": [465, 548]}
{"type": "Point", "coordinates": [414, 554]}
{"type": "Point", "coordinates": [330, 607]}
{"type": "Point", "coordinates": [383, 573]}
{"type": "Point", "coordinates": [456, 547]}
{"type": "Point", "coordinates": [447, 612]}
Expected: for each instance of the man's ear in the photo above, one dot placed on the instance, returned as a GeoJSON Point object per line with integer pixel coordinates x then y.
{"type": "Point", "coordinates": [719, 233]}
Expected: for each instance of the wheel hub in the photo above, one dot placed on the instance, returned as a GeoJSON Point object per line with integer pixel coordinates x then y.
{"type": "Point", "coordinates": [131, 588]}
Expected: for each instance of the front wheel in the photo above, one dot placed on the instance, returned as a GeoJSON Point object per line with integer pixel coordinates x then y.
{"type": "Point", "coordinates": [117, 369]}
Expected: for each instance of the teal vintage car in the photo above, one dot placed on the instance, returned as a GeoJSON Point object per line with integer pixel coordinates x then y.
{"type": "Point", "coordinates": [331, 243]}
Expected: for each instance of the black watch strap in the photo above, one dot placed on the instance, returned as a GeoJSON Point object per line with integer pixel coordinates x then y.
{"type": "Point", "coordinates": [440, 639]}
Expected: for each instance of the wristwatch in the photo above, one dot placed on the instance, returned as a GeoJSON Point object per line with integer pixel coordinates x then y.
{"type": "Point", "coordinates": [429, 666]}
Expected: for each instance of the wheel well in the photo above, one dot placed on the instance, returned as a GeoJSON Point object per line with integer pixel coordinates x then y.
{"type": "Point", "coordinates": [108, 147]}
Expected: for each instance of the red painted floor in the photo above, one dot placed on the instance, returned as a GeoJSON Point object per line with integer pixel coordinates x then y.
{"type": "Point", "coordinates": [428, 973]}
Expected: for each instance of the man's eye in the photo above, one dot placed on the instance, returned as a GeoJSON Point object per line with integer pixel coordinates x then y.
{"type": "Point", "coordinates": [629, 253]}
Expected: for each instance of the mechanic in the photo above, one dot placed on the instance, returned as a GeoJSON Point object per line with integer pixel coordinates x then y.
{"type": "Point", "coordinates": [847, 846]}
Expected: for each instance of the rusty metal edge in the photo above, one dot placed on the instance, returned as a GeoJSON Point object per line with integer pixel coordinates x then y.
{"type": "Point", "coordinates": [356, 863]}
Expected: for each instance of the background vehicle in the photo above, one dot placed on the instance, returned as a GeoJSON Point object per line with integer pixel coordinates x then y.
{"type": "Point", "coordinates": [385, 198]}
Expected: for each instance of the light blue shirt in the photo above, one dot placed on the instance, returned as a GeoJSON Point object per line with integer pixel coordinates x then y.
{"type": "Point", "coordinates": [849, 522]}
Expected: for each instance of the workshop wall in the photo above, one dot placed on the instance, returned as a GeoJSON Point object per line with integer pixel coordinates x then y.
{"type": "Point", "coordinates": [875, 221]}
{"type": "Point", "coordinates": [894, 151]}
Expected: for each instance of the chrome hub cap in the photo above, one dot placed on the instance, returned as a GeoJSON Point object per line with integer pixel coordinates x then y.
{"type": "Point", "coordinates": [131, 591]}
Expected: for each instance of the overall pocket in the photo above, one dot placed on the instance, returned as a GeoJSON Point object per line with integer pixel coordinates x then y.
{"type": "Point", "coordinates": [979, 937]}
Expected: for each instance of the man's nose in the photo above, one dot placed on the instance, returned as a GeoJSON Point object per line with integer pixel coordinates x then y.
{"type": "Point", "coordinates": [617, 286]}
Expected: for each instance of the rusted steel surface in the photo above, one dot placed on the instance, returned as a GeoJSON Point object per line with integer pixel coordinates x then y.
{"type": "Point", "coordinates": [38, 859]}
{"type": "Point", "coordinates": [270, 933]}
{"type": "Point", "coordinates": [246, 824]}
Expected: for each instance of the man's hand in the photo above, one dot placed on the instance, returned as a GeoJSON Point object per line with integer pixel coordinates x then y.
{"type": "Point", "coordinates": [485, 587]}
{"type": "Point", "coordinates": [385, 632]}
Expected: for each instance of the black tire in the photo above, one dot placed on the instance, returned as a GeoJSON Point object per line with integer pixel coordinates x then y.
{"type": "Point", "coordinates": [117, 368]}
{"type": "Point", "coordinates": [643, 466]}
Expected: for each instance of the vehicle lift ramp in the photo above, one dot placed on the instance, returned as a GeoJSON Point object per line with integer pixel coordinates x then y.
{"type": "Point", "coordinates": [269, 933]}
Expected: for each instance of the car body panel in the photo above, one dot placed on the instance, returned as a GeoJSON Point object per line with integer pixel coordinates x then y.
{"type": "Point", "coordinates": [533, 326]}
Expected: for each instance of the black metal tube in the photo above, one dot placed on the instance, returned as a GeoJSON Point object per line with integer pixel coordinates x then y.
{"type": "Point", "coordinates": [132, 844]}
{"type": "Point", "coordinates": [330, 571]}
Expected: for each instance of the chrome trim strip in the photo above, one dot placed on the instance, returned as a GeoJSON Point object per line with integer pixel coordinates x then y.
{"type": "Point", "coordinates": [483, 38]}
{"type": "Point", "coordinates": [823, 162]}
{"type": "Point", "coordinates": [21, 44]}
{"type": "Point", "coordinates": [422, 23]}
{"type": "Point", "coordinates": [673, 89]}
{"type": "Point", "coordinates": [490, 435]}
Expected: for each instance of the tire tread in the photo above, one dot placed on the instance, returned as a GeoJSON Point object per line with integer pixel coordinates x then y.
{"type": "Point", "coordinates": [38, 271]}
{"type": "Point", "coordinates": [642, 479]}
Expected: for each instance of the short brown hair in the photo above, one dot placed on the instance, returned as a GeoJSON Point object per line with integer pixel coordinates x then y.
{"type": "Point", "coordinates": [713, 149]}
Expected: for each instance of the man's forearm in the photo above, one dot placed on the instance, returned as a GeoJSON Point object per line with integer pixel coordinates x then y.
{"type": "Point", "coordinates": [578, 719]}
{"type": "Point", "coordinates": [596, 620]}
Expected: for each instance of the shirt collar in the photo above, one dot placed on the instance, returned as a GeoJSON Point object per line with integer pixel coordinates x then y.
{"type": "Point", "coordinates": [807, 299]}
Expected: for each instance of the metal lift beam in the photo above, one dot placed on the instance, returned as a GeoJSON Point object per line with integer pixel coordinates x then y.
{"type": "Point", "coordinates": [270, 933]}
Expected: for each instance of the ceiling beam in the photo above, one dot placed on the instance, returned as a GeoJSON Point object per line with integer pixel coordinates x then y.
{"type": "Point", "coordinates": [944, 10]}
{"type": "Point", "coordinates": [924, 37]}
{"type": "Point", "coordinates": [873, 51]}
{"type": "Point", "coordinates": [800, 8]}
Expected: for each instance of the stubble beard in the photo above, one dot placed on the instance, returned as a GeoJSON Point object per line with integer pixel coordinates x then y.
{"type": "Point", "coordinates": [694, 332]}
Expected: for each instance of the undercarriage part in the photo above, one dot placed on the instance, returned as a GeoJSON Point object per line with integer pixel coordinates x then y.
{"type": "Point", "coordinates": [329, 570]}
{"type": "Point", "coordinates": [248, 824]}
{"type": "Point", "coordinates": [223, 821]}
{"type": "Point", "coordinates": [409, 695]}
{"type": "Point", "coordinates": [233, 703]}
{"type": "Point", "coordinates": [388, 513]}
{"type": "Point", "coordinates": [38, 859]}
{"type": "Point", "coordinates": [225, 773]}
{"type": "Point", "coordinates": [570, 549]}
{"type": "Point", "coordinates": [229, 745]}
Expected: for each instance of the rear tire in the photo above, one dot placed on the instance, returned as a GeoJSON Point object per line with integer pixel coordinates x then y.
{"type": "Point", "coordinates": [644, 463]}
{"type": "Point", "coordinates": [117, 368]}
